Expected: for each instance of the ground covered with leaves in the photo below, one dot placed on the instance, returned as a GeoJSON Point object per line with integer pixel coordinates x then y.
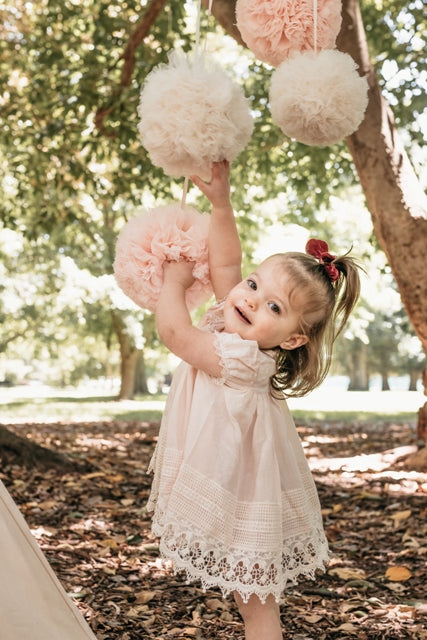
{"type": "Point", "coordinates": [92, 525]}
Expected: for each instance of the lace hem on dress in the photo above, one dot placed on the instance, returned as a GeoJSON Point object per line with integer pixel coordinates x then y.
{"type": "Point", "coordinates": [260, 574]}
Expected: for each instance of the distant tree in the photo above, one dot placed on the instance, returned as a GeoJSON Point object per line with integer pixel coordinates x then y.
{"type": "Point", "coordinates": [411, 359]}
{"type": "Point", "coordinates": [383, 344]}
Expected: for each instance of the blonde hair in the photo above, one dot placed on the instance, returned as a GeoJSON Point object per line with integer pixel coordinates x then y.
{"type": "Point", "coordinates": [324, 308]}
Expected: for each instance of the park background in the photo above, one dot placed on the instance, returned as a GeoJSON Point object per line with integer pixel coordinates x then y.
{"type": "Point", "coordinates": [72, 172]}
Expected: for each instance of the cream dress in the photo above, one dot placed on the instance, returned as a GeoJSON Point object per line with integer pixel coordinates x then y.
{"type": "Point", "coordinates": [234, 502]}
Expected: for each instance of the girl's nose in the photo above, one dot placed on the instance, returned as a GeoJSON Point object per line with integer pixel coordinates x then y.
{"type": "Point", "coordinates": [251, 301]}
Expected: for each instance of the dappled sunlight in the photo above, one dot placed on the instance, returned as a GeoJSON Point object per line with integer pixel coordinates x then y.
{"type": "Point", "coordinates": [97, 525]}
{"type": "Point", "coordinates": [368, 456]}
{"type": "Point", "coordinates": [95, 529]}
{"type": "Point", "coordinates": [372, 462]}
{"type": "Point", "coordinates": [87, 442]}
{"type": "Point", "coordinates": [327, 399]}
{"type": "Point", "coordinates": [40, 532]}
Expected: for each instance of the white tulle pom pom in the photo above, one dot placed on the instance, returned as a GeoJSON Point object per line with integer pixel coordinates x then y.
{"type": "Point", "coordinates": [318, 99]}
{"type": "Point", "coordinates": [192, 115]}
{"type": "Point", "coordinates": [276, 29]}
{"type": "Point", "coordinates": [170, 232]}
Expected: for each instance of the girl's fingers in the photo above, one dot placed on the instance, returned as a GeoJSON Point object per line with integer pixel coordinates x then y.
{"type": "Point", "coordinates": [215, 172]}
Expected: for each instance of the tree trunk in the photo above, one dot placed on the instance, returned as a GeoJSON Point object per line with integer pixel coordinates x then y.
{"type": "Point", "coordinates": [418, 460]}
{"type": "Point", "coordinates": [422, 415]}
{"type": "Point", "coordinates": [141, 375]}
{"type": "Point", "coordinates": [128, 358]}
{"type": "Point", "coordinates": [18, 450]}
{"type": "Point", "coordinates": [384, 381]}
{"type": "Point", "coordinates": [394, 196]}
{"type": "Point", "coordinates": [358, 367]}
{"type": "Point", "coordinates": [414, 376]}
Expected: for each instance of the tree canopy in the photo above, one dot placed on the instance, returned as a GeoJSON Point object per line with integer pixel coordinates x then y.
{"type": "Point", "coordinates": [72, 168]}
{"type": "Point", "coordinates": [72, 73]}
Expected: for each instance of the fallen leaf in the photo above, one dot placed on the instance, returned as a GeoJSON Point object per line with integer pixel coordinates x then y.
{"type": "Point", "coordinates": [127, 502]}
{"type": "Point", "coordinates": [142, 597]}
{"type": "Point", "coordinates": [346, 573]}
{"type": "Point", "coordinates": [108, 542]}
{"type": "Point", "coordinates": [400, 516]}
{"type": "Point", "coordinates": [347, 627]}
{"type": "Point", "coordinates": [313, 618]}
{"type": "Point", "coordinates": [215, 604]}
{"type": "Point", "coordinates": [95, 474]}
{"type": "Point", "coordinates": [136, 611]}
{"type": "Point", "coordinates": [398, 573]}
{"type": "Point", "coordinates": [226, 616]}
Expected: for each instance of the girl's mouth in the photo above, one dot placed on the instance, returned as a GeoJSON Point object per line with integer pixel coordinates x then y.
{"type": "Point", "coordinates": [242, 315]}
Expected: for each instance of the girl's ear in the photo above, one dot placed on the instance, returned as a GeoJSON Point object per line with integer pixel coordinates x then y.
{"type": "Point", "coordinates": [294, 341]}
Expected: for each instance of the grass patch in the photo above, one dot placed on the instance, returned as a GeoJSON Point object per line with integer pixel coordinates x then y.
{"type": "Point", "coordinates": [21, 404]}
{"type": "Point", "coordinates": [150, 409]}
{"type": "Point", "coordinates": [351, 416]}
{"type": "Point", "coordinates": [81, 409]}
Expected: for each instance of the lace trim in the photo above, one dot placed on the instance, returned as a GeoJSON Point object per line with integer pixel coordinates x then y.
{"type": "Point", "coordinates": [231, 569]}
{"type": "Point", "coordinates": [213, 320]}
{"type": "Point", "coordinates": [223, 362]}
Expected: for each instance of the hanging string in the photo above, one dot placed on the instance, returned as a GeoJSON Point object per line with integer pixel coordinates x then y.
{"type": "Point", "coordinates": [196, 53]}
{"type": "Point", "coordinates": [199, 10]}
{"type": "Point", "coordinates": [184, 192]}
{"type": "Point", "coordinates": [315, 24]}
{"type": "Point", "coordinates": [209, 13]}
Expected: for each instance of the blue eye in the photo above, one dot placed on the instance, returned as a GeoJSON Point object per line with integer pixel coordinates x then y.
{"type": "Point", "coordinates": [252, 284]}
{"type": "Point", "coordinates": [274, 307]}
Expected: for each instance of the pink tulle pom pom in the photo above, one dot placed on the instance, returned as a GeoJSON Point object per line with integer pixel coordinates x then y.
{"type": "Point", "coordinates": [318, 99]}
{"type": "Point", "coordinates": [147, 240]}
{"type": "Point", "coordinates": [276, 29]}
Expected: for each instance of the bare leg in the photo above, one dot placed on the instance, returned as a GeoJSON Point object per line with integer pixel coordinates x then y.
{"type": "Point", "coordinates": [262, 621]}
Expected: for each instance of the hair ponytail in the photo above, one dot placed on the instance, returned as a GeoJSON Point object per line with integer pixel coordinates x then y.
{"type": "Point", "coordinates": [347, 290]}
{"type": "Point", "coordinates": [328, 288]}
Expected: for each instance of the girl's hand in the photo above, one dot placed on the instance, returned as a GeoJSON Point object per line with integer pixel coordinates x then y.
{"type": "Point", "coordinates": [218, 189]}
{"type": "Point", "coordinates": [179, 273]}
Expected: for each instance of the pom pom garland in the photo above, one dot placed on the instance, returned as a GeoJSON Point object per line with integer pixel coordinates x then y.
{"type": "Point", "coordinates": [192, 116]}
{"type": "Point", "coordinates": [170, 232]}
{"type": "Point", "coordinates": [276, 29]}
{"type": "Point", "coordinates": [318, 99]}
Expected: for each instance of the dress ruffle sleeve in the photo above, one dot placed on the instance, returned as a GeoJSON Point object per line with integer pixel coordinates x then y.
{"type": "Point", "coordinates": [243, 364]}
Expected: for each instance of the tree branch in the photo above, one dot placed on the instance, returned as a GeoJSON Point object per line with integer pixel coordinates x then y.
{"type": "Point", "coordinates": [140, 32]}
{"type": "Point", "coordinates": [224, 11]}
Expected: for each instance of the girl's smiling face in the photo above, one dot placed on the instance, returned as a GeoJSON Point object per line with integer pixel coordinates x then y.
{"type": "Point", "coordinates": [259, 308]}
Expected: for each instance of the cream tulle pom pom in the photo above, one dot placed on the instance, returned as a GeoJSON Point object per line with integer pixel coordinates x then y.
{"type": "Point", "coordinates": [276, 29]}
{"type": "Point", "coordinates": [318, 99]}
{"type": "Point", "coordinates": [191, 116]}
{"type": "Point", "coordinates": [147, 240]}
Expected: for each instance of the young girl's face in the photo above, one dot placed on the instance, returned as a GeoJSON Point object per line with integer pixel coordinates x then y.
{"type": "Point", "coordinates": [259, 308]}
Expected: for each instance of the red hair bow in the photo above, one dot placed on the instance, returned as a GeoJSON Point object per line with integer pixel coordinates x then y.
{"type": "Point", "coordinates": [319, 249]}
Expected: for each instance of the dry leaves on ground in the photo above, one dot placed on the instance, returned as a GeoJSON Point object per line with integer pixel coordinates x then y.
{"type": "Point", "coordinates": [95, 530]}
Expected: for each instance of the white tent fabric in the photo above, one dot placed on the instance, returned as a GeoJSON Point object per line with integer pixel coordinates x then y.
{"type": "Point", "coordinates": [33, 604]}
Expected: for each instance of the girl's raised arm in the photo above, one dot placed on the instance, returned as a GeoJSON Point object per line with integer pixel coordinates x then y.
{"type": "Point", "coordinates": [174, 325]}
{"type": "Point", "coordinates": [225, 253]}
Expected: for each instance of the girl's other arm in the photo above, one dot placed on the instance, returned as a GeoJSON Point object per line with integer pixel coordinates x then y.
{"type": "Point", "coordinates": [225, 253]}
{"type": "Point", "coordinates": [174, 325]}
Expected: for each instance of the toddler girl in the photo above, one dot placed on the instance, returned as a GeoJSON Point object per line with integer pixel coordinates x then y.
{"type": "Point", "coordinates": [234, 502]}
